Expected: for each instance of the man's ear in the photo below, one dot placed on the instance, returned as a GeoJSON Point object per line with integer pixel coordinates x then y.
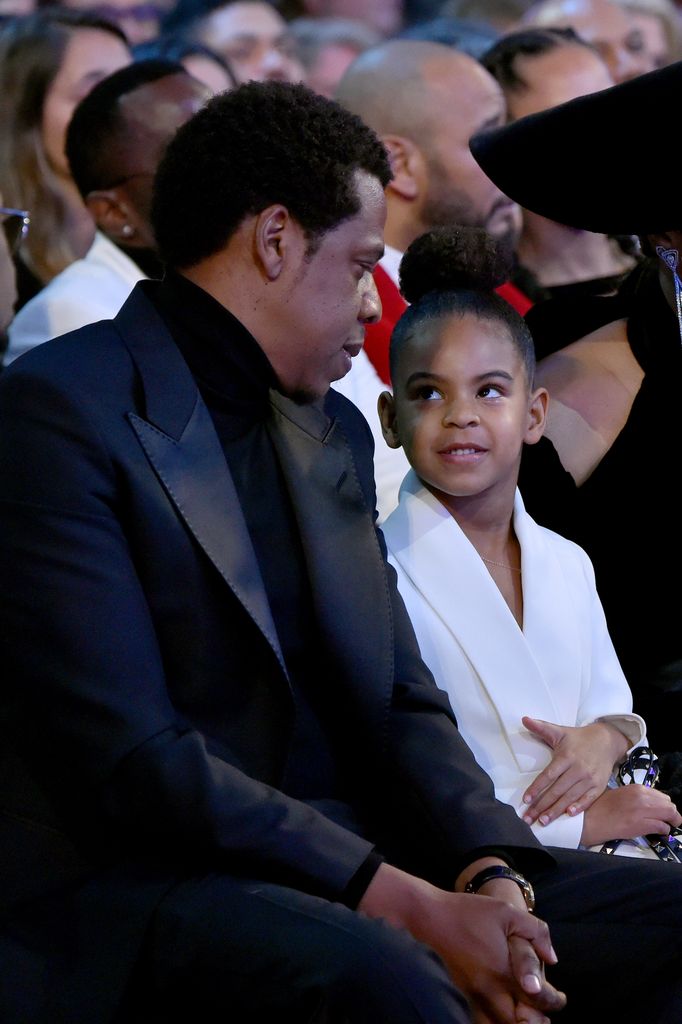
{"type": "Point", "coordinates": [537, 415]}
{"type": "Point", "coordinates": [406, 160]}
{"type": "Point", "coordinates": [111, 214]}
{"type": "Point", "coordinates": [273, 239]}
{"type": "Point", "coordinates": [387, 417]}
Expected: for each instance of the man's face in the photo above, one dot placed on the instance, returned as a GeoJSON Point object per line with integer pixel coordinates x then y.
{"type": "Point", "coordinates": [610, 29]}
{"type": "Point", "coordinates": [153, 113]}
{"type": "Point", "coordinates": [456, 189]}
{"type": "Point", "coordinates": [331, 298]}
{"type": "Point", "coordinates": [254, 38]}
{"type": "Point", "coordinates": [556, 77]}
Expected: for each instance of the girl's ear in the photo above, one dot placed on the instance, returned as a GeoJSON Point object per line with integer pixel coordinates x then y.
{"type": "Point", "coordinates": [389, 426]}
{"type": "Point", "coordinates": [537, 415]}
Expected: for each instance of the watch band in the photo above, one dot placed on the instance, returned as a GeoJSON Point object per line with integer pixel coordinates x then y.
{"type": "Point", "coordinates": [503, 871]}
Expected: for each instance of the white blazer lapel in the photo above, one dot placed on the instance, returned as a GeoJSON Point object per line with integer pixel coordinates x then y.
{"type": "Point", "coordinates": [551, 627]}
{"type": "Point", "coordinates": [443, 565]}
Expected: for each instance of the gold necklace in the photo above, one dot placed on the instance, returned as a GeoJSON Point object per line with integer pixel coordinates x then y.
{"type": "Point", "coordinates": [501, 564]}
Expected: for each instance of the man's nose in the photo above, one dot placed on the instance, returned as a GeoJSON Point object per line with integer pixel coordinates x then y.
{"type": "Point", "coordinates": [273, 67]}
{"type": "Point", "coordinates": [370, 307]}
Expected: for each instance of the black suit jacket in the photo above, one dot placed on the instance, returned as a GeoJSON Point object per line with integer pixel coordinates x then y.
{"type": "Point", "coordinates": [148, 712]}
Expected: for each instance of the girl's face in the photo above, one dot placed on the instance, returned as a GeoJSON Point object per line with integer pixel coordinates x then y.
{"type": "Point", "coordinates": [462, 409]}
{"type": "Point", "coordinates": [91, 54]}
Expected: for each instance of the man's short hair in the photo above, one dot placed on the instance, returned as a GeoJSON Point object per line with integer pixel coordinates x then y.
{"type": "Point", "coordinates": [501, 59]}
{"type": "Point", "coordinates": [263, 143]}
{"type": "Point", "coordinates": [98, 121]}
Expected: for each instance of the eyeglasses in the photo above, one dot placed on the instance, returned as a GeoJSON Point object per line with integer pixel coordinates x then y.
{"type": "Point", "coordinates": [15, 224]}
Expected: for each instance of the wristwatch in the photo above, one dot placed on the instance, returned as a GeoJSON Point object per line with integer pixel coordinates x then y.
{"type": "Point", "coordinates": [503, 871]}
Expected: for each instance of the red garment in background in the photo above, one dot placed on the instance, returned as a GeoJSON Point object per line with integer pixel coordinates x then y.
{"type": "Point", "coordinates": [378, 336]}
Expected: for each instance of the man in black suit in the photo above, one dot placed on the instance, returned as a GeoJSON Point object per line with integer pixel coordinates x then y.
{"type": "Point", "coordinates": [220, 742]}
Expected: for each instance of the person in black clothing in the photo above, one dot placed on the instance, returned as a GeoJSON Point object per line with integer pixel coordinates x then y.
{"type": "Point", "coordinates": [613, 429]}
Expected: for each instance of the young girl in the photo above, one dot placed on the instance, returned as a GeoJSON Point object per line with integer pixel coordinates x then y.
{"type": "Point", "coordinates": [506, 612]}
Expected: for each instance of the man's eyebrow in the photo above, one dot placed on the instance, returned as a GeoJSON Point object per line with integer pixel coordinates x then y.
{"type": "Point", "coordinates": [374, 252]}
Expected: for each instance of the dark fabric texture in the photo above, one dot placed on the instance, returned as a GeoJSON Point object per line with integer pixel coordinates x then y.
{"type": "Point", "coordinates": [148, 715]}
{"type": "Point", "coordinates": [576, 163]}
{"type": "Point", "coordinates": [626, 514]}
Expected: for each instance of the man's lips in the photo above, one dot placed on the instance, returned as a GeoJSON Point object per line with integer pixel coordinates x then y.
{"type": "Point", "coordinates": [353, 348]}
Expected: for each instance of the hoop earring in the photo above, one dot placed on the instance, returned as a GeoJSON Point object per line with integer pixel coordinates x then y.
{"type": "Point", "coordinates": [671, 259]}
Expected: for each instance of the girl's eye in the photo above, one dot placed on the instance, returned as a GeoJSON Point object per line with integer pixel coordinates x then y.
{"type": "Point", "coordinates": [490, 391]}
{"type": "Point", "coordinates": [427, 393]}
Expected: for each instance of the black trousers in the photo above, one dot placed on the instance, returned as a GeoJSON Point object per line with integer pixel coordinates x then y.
{"type": "Point", "coordinates": [232, 950]}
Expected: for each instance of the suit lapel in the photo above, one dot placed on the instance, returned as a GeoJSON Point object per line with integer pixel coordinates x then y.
{"type": "Point", "coordinates": [180, 442]}
{"type": "Point", "coordinates": [446, 569]}
{"type": "Point", "coordinates": [350, 595]}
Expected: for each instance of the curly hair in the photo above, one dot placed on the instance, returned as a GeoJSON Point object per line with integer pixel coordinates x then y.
{"type": "Point", "coordinates": [264, 143]}
{"type": "Point", "coordinates": [452, 271]}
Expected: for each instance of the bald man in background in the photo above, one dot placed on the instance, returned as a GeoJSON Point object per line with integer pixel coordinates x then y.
{"type": "Point", "coordinates": [445, 98]}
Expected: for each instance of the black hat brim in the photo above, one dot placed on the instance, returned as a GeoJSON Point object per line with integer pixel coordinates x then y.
{"type": "Point", "coordinates": [602, 162]}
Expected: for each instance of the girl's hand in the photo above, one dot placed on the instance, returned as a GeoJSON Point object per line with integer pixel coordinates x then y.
{"type": "Point", "coordinates": [579, 771]}
{"type": "Point", "coordinates": [627, 812]}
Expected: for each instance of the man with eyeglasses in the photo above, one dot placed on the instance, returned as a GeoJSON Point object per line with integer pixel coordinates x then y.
{"type": "Point", "coordinates": [14, 228]}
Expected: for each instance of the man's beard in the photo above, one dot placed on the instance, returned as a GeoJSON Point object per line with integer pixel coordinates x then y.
{"type": "Point", "coordinates": [446, 206]}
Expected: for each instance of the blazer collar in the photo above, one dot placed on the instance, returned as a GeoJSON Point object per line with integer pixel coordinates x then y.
{"type": "Point", "coordinates": [349, 593]}
{"type": "Point", "coordinates": [180, 442]}
{"type": "Point", "coordinates": [177, 434]}
{"type": "Point", "coordinates": [445, 568]}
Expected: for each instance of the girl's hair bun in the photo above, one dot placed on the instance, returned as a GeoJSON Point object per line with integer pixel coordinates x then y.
{"type": "Point", "coordinates": [447, 259]}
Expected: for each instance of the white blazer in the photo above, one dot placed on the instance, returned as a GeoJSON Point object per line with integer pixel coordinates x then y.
{"type": "Point", "coordinates": [561, 667]}
{"type": "Point", "coordinates": [88, 290]}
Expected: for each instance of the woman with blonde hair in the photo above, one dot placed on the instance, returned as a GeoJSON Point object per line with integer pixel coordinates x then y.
{"type": "Point", "coordinates": [48, 62]}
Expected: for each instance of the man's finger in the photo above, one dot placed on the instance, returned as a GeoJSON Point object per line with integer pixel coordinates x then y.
{"type": "Point", "coordinates": [527, 969]}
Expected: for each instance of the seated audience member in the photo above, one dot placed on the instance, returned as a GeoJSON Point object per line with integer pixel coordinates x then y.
{"type": "Point", "coordinates": [326, 46]}
{"type": "Point", "coordinates": [608, 27]}
{"type": "Point", "coordinates": [254, 38]}
{"type": "Point", "coordinates": [48, 62]}
{"type": "Point", "coordinates": [115, 140]}
{"type": "Point", "coordinates": [202, 63]}
{"type": "Point", "coordinates": [591, 163]}
{"type": "Point", "coordinates": [226, 774]}
{"type": "Point", "coordinates": [446, 97]}
{"type": "Point", "coordinates": [536, 69]}
{"type": "Point", "coordinates": [506, 613]}
{"type": "Point", "coordinates": [14, 225]}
